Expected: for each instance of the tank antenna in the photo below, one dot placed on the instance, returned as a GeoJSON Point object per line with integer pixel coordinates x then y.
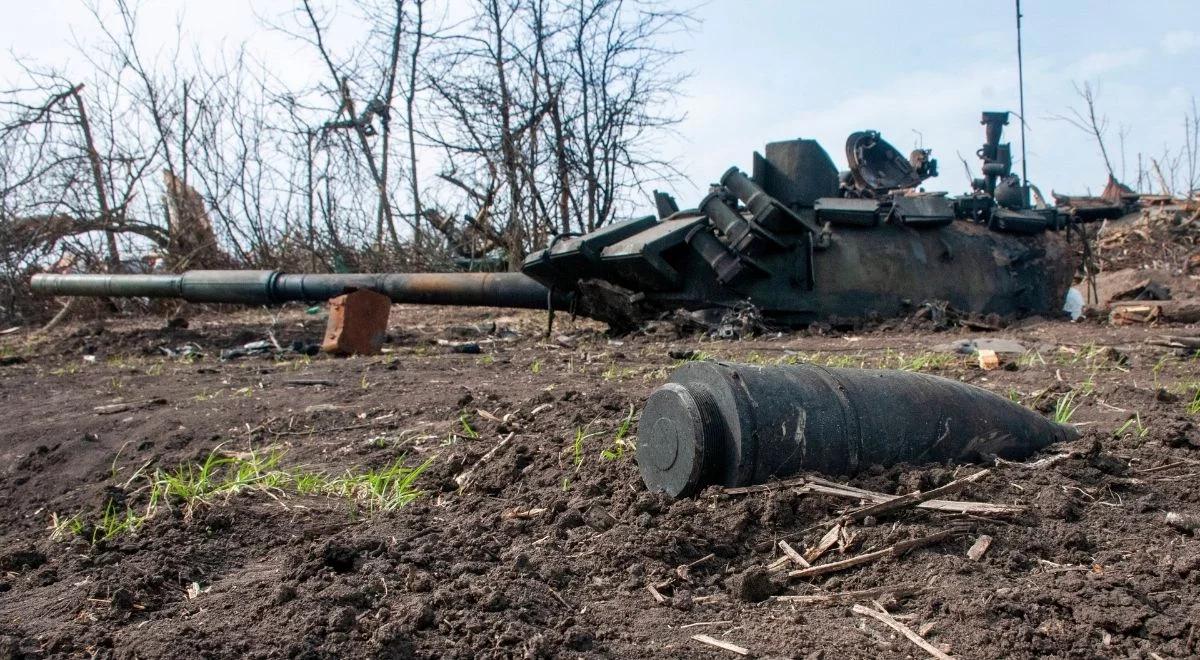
{"type": "Point", "coordinates": [1021, 92]}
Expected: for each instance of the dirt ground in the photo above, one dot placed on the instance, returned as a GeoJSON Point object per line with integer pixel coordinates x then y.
{"type": "Point", "coordinates": [551, 546]}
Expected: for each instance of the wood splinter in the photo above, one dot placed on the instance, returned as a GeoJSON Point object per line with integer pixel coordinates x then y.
{"type": "Point", "coordinates": [721, 644]}
{"type": "Point", "coordinates": [979, 548]}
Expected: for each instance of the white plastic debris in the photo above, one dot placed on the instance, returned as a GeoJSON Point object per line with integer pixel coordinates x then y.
{"type": "Point", "coordinates": [1074, 304]}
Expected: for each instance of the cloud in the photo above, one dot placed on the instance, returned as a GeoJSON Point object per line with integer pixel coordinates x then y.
{"type": "Point", "coordinates": [1177, 42]}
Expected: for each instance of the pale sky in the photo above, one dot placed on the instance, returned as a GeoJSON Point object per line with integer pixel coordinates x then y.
{"type": "Point", "coordinates": [769, 70]}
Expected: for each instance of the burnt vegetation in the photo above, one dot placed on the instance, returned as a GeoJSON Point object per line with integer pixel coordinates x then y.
{"type": "Point", "coordinates": [428, 137]}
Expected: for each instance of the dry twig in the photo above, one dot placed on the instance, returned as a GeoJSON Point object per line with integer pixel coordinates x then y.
{"type": "Point", "coordinates": [891, 622]}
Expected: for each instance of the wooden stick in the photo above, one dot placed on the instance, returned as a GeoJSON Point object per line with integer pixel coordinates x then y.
{"type": "Point", "coordinates": [721, 644]}
{"type": "Point", "coordinates": [828, 541]}
{"type": "Point", "coordinates": [114, 408]}
{"type": "Point", "coordinates": [899, 590]}
{"type": "Point", "coordinates": [792, 554]}
{"type": "Point", "coordinates": [684, 570]}
{"type": "Point", "coordinates": [823, 487]}
{"type": "Point", "coordinates": [914, 498]}
{"type": "Point", "coordinates": [891, 622]}
{"type": "Point", "coordinates": [976, 508]}
{"type": "Point", "coordinates": [761, 488]}
{"type": "Point", "coordinates": [867, 557]}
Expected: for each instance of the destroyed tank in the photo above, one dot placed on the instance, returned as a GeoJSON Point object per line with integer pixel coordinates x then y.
{"type": "Point", "coordinates": [793, 240]}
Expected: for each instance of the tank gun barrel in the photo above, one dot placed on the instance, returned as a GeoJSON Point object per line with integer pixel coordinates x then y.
{"type": "Point", "coordinates": [264, 287]}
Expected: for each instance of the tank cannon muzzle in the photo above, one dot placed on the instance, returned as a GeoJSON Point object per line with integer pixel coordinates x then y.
{"type": "Point", "coordinates": [739, 425]}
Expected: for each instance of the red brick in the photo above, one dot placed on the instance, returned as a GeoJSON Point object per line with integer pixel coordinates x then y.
{"type": "Point", "coordinates": [357, 323]}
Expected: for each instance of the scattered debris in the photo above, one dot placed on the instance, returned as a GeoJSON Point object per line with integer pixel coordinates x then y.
{"type": "Point", "coordinates": [824, 487]}
{"type": "Point", "coordinates": [1174, 311]}
{"type": "Point", "coordinates": [189, 351]}
{"type": "Point", "coordinates": [912, 499]}
{"type": "Point", "coordinates": [466, 347]}
{"type": "Point", "coordinates": [262, 347]}
{"type": "Point", "coordinates": [1129, 284]}
{"type": "Point", "coordinates": [894, 550]}
{"type": "Point", "coordinates": [1183, 345]}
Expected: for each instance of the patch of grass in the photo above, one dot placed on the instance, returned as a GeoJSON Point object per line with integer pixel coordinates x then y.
{"type": "Point", "coordinates": [581, 434]}
{"type": "Point", "coordinates": [1135, 424]}
{"type": "Point", "coordinates": [221, 475]}
{"type": "Point", "coordinates": [1065, 407]}
{"type": "Point", "coordinates": [116, 523]}
{"type": "Point", "coordinates": [1193, 407]}
{"type": "Point", "coordinates": [193, 484]}
{"type": "Point", "coordinates": [1158, 368]}
{"type": "Point", "coordinates": [62, 528]}
{"type": "Point", "coordinates": [928, 361]}
{"type": "Point", "coordinates": [1031, 358]}
{"type": "Point", "coordinates": [616, 450]}
{"type": "Point", "coordinates": [655, 375]}
{"type": "Point", "coordinates": [207, 395]}
{"type": "Point", "coordinates": [536, 366]}
{"type": "Point", "coordinates": [1088, 387]}
{"type": "Point", "coordinates": [467, 429]}
{"type": "Point", "coordinates": [700, 356]}
{"type": "Point", "coordinates": [613, 372]}
{"type": "Point", "coordinates": [69, 369]}
{"type": "Point", "coordinates": [385, 489]}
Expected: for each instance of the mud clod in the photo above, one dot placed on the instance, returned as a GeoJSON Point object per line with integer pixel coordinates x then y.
{"type": "Point", "coordinates": [753, 586]}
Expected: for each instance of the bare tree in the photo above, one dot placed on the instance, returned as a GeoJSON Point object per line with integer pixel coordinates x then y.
{"type": "Point", "coordinates": [1088, 122]}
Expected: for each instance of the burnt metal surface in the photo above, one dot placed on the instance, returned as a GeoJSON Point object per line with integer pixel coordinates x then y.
{"type": "Point", "coordinates": [725, 424]}
{"type": "Point", "coordinates": [786, 241]}
{"type": "Point", "coordinates": [877, 169]}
